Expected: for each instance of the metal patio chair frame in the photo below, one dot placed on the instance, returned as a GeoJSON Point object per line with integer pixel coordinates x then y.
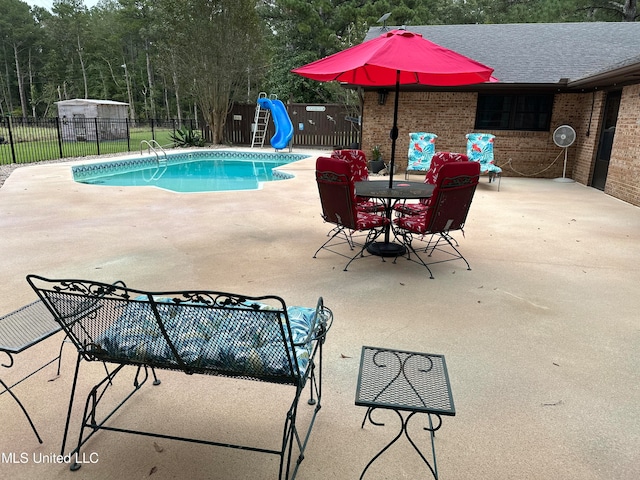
{"type": "Point", "coordinates": [337, 196]}
{"type": "Point", "coordinates": [95, 315]}
{"type": "Point", "coordinates": [446, 211]}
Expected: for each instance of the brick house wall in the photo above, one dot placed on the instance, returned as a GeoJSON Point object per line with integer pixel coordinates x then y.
{"type": "Point", "coordinates": [623, 178]}
{"type": "Point", "coordinates": [451, 115]}
{"type": "Point", "coordinates": [587, 117]}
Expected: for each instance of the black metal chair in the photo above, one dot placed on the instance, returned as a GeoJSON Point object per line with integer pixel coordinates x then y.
{"type": "Point", "coordinates": [446, 211]}
{"type": "Point", "coordinates": [337, 196]}
{"type": "Point", "coordinates": [195, 332]}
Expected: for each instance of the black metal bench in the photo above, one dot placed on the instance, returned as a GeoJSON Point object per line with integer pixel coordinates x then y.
{"type": "Point", "coordinates": [195, 332]}
{"type": "Point", "coordinates": [21, 330]}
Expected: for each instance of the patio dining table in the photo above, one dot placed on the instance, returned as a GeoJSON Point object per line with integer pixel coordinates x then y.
{"type": "Point", "coordinates": [400, 190]}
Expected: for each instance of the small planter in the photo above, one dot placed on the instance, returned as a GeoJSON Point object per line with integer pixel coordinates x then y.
{"type": "Point", "coordinates": [375, 166]}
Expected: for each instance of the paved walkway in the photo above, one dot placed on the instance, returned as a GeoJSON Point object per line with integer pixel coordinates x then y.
{"type": "Point", "coordinates": [541, 337]}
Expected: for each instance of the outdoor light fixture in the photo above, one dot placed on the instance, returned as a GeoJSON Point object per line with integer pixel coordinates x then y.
{"type": "Point", "coordinates": [382, 96]}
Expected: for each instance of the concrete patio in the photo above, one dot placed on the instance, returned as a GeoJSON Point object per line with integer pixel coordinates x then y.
{"type": "Point", "coordinates": [541, 337]}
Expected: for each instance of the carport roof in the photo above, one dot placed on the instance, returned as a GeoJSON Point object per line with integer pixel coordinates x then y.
{"type": "Point", "coordinates": [89, 101]}
{"type": "Point", "coordinates": [584, 54]}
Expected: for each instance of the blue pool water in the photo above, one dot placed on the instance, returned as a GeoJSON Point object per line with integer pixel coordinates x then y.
{"type": "Point", "coordinates": [199, 171]}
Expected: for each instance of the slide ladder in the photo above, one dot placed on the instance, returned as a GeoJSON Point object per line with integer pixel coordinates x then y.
{"type": "Point", "coordinates": [281, 121]}
{"type": "Point", "coordinates": [261, 121]}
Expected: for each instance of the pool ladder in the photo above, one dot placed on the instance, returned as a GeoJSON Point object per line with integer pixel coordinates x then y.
{"type": "Point", "coordinates": [153, 146]}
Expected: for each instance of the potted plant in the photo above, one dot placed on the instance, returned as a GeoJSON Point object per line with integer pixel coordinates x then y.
{"type": "Point", "coordinates": [376, 163]}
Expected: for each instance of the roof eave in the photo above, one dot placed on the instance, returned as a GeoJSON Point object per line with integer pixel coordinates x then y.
{"type": "Point", "coordinates": [484, 87]}
{"type": "Point", "coordinates": [617, 77]}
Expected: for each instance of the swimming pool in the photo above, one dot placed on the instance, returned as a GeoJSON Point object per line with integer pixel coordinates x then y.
{"type": "Point", "coordinates": [190, 172]}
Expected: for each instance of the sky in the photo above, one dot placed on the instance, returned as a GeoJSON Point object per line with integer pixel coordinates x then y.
{"type": "Point", "coordinates": [48, 4]}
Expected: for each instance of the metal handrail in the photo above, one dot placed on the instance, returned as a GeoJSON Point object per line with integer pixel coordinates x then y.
{"type": "Point", "coordinates": [162, 162]}
{"type": "Point", "coordinates": [151, 147]}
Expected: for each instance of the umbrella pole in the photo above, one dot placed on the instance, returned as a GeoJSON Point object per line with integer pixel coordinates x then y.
{"type": "Point", "coordinates": [394, 130]}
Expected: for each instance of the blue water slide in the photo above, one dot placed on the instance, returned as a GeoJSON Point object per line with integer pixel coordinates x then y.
{"type": "Point", "coordinates": [281, 120]}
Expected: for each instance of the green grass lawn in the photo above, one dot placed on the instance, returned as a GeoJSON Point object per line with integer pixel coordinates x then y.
{"type": "Point", "coordinates": [39, 144]}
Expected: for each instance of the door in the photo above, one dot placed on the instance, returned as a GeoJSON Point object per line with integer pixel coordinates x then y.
{"type": "Point", "coordinates": [603, 156]}
{"type": "Point", "coordinates": [80, 127]}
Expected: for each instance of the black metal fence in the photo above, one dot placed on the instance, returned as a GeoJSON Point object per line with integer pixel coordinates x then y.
{"type": "Point", "coordinates": [26, 140]}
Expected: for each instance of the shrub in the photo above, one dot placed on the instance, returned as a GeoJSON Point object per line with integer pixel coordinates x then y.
{"type": "Point", "coordinates": [187, 137]}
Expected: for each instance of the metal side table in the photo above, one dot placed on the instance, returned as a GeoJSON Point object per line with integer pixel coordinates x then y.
{"type": "Point", "coordinates": [405, 382]}
{"type": "Point", "coordinates": [21, 330]}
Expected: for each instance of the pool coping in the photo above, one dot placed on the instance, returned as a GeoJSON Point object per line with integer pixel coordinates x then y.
{"type": "Point", "coordinates": [94, 170]}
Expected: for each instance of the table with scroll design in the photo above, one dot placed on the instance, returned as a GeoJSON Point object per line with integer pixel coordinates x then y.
{"type": "Point", "coordinates": [21, 330]}
{"type": "Point", "coordinates": [405, 382]}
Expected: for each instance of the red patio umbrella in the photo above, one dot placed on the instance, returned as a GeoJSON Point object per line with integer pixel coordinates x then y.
{"type": "Point", "coordinates": [397, 57]}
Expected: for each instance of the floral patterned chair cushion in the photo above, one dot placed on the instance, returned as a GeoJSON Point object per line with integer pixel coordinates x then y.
{"type": "Point", "coordinates": [480, 149]}
{"type": "Point", "coordinates": [422, 146]}
{"type": "Point", "coordinates": [359, 172]}
{"type": "Point", "coordinates": [438, 160]}
{"type": "Point", "coordinates": [350, 216]}
{"type": "Point", "coordinates": [455, 175]}
{"type": "Point", "coordinates": [357, 161]}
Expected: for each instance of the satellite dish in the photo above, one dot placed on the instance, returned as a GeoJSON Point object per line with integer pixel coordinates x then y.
{"type": "Point", "coordinates": [383, 20]}
{"type": "Point", "coordinates": [564, 136]}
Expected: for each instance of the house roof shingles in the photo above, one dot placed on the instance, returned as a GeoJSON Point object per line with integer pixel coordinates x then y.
{"type": "Point", "coordinates": [539, 53]}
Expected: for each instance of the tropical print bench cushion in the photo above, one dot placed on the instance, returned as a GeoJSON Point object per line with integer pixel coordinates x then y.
{"type": "Point", "coordinates": [240, 340]}
{"type": "Point", "coordinates": [422, 146]}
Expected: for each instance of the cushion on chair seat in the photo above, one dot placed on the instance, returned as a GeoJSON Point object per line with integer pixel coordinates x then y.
{"type": "Point", "coordinates": [489, 168]}
{"type": "Point", "coordinates": [250, 347]}
{"type": "Point", "coordinates": [413, 223]}
{"type": "Point", "coordinates": [410, 208]}
{"type": "Point", "coordinates": [454, 176]}
{"type": "Point", "coordinates": [368, 206]}
{"type": "Point", "coordinates": [367, 221]}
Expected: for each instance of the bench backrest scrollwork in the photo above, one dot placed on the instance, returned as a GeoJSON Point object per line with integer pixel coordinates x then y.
{"type": "Point", "coordinates": [206, 332]}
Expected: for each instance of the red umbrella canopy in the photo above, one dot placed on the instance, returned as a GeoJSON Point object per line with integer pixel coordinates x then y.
{"type": "Point", "coordinates": [378, 62]}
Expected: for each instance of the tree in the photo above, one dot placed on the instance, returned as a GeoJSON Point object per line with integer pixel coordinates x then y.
{"type": "Point", "coordinates": [627, 11]}
{"type": "Point", "coordinates": [213, 43]}
{"type": "Point", "coordinates": [301, 31]}
{"type": "Point", "coordinates": [138, 32]}
{"type": "Point", "coordinates": [18, 34]}
{"type": "Point", "coordinates": [68, 31]}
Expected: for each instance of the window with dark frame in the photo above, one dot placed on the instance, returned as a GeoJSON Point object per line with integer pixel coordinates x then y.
{"type": "Point", "coordinates": [514, 111]}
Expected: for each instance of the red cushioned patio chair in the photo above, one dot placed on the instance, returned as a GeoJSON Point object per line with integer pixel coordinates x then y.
{"type": "Point", "coordinates": [446, 211]}
{"type": "Point", "coordinates": [437, 161]}
{"type": "Point", "coordinates": [359, 172]}
{"type": "Point", "coordinates": [339, 207]}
